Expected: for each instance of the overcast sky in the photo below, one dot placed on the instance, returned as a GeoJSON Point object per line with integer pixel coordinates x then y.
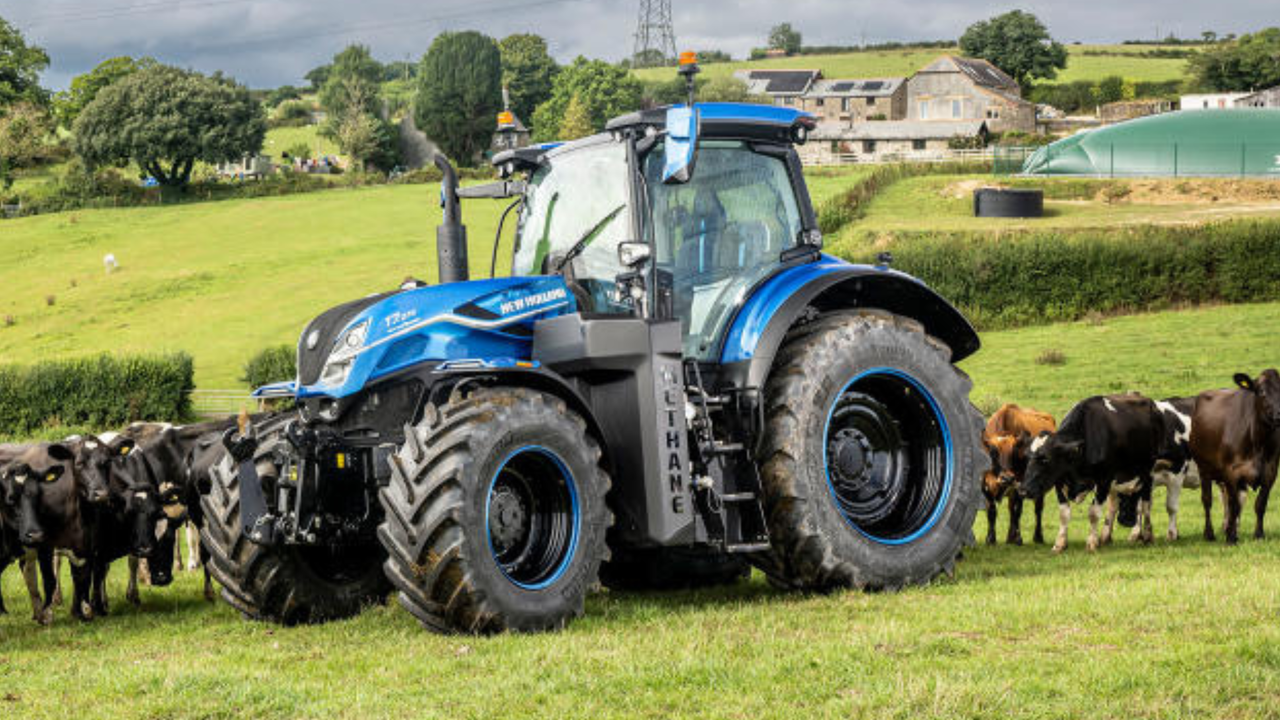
{"type": "Point", "coordinates": [266, 43]}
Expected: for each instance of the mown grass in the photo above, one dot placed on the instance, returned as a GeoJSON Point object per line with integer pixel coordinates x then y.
{"type": "Point", "coordinates": [945, 203]}
{"type": "Point", "coordinates": [1122, 60]}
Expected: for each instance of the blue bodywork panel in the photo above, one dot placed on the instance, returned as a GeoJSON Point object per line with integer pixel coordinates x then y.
{"type": "Point", "coordinates": [748, 113]}
{"type": "Point", "coordinates": [476, 321]}
{"type": "Point", "coordinates": [754, 315]}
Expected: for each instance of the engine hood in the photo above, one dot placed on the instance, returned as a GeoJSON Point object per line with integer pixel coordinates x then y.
{"type": "Point", "coordinates": [478, 320]}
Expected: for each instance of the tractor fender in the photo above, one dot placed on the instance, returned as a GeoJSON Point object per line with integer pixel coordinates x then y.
{"type": "Point", "coordinates": [761, 324]}
{"type": "Point", "coordinates": [535, 378]}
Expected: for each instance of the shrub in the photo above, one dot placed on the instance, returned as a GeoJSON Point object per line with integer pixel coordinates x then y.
{"type": "Point", "coordinates": [1049, 276]}
{"type": "Point", "coordinates": [102, 391]}
{"type": "Point", "coordinates": [271, 365]}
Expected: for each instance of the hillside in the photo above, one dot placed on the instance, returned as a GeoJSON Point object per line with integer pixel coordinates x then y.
{"type": "Point", "coordinates": [1084, 63]}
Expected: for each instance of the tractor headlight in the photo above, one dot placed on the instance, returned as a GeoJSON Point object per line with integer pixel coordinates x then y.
{"type": "Point", "coordinates": [338, 366]}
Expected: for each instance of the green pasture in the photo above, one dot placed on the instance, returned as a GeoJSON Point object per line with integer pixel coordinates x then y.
{"type": "Point", "coordinates": [1120, 60]}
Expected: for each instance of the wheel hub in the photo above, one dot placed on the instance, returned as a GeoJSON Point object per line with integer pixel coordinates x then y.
{"type": "Point", "coordinates": [509, 518]}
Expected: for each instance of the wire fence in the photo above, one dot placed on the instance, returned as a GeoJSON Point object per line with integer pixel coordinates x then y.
{"type": "Point", "coordinates": [221, 403]}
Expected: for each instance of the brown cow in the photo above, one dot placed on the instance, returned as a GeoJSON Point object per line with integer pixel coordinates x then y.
{"type": "Point", "coordinates": [1235, 440]}
{"type": "Point", "coordinates": [1007, 437]}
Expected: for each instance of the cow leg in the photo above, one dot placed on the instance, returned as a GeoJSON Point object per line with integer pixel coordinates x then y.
{"type": "Point", "coordinates": [1095, 514]}
{"type": "Point", "coordinates": [208, 582]}
{"type": "Point", "coordinates": [48, 579]}
{"type": "Point", "coordinates": [1146, 533]}
{"type": "Point", "coordinates": [1206, 499]}
{"type": "Point", "coordinates": [131, 594]}
{"type": "Point", "coordinates": [57, 580]}
{"type": "Point", "coordinates": [1233, 497]}
{"type": "Point", "coordinates": [82, 577]}
{"type": "Point", "coordinates": [193, 546]}
{"type": "Point", "coordinates": [992, 512]}
{"type": "Point", "coordinates": [1064, 519]}
{"type": "Point", "coordinates": [98, 587]}
{"type": "Point", "coordinates": [1113, 507]}
{"type": "Point", "coordinates": [1171, 506]}
{"type": "Point", "coordinates": [31, 575]}
{"type": "Point", "coordinates": [1015, 520]}
{"type": "Point", "coordinates": [1038, 538]}
{"type": "Point", "coordinates": [1260, 508]}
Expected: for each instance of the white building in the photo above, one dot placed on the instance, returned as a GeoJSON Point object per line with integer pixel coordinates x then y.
{"type": "Point", "coordinates": [1211, 101]}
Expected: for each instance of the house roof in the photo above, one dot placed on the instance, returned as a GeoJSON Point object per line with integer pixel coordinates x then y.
{"type": "Point", "coordinates": [899, 130]}
{"type": "Point", "coordinates": [778, 82]}
{"type": "Point", "coordinates": [982, 73]}
{"type": "Point", "coordinates": [862, 87]}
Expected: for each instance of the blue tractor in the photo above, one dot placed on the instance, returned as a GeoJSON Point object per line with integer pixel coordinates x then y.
{"type": "Point", "coordinates": [674, 384]}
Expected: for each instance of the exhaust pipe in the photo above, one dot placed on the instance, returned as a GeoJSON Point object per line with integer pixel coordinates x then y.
{"type": "Point", "coordinates": [451, 236]}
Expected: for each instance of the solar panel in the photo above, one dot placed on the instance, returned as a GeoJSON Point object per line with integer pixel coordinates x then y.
{"type": "Point", "coordinates": [873, 86]}
{"type": "Point", "coordinates": [843, 87]}
{"type": "Point", "coordinates": [788, 82]}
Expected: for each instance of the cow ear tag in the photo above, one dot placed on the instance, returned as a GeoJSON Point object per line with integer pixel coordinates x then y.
{"type": "Point", "coordinates": [1244, 381]}
{"type": "Point", "coordinates": [51, 476]}
{"type": "Point", "coordinates": [125, 450]}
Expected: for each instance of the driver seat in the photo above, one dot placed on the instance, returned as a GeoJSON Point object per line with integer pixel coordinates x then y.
{"type": "Point", "coordinates": [697, 252]}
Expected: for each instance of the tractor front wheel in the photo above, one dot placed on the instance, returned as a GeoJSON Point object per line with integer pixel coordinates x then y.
{"type": "Point", "coordinates": [872, 456]}
{"type": "Point", "coordinates": [495, 513]}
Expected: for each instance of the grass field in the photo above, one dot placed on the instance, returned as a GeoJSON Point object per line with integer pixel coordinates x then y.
{"type": "Point", "coordinates": [945, 203]}
{"type": "Point", "coordinates": [1176, 630]}
{"type": "Point", "coordinates": [1121, 60]}
{"type": "Point", "coordinates": [281, 139]}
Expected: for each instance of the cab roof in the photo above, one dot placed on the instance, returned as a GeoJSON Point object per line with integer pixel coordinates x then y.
{"type": "Point", "coordinates": [739, 121]}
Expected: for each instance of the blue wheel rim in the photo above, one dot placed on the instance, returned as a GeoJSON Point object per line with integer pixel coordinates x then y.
{"type": "Point", "coordinates": [532, 517]}
{"type": "Point", "coordinates": [894, 462]}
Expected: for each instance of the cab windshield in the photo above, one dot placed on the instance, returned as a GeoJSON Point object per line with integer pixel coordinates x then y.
{"type": "Point", "coordinates": [577, 207]}
{"type": "Point", "coordinates": [720, 233]}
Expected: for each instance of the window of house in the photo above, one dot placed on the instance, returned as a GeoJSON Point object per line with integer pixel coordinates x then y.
{"type": "Point", "coordinates": [871, 101]}
{"type": "Point", "coordinates": [844, 104]}
{"type": "Point", "coordinates": [788, 101]}
{"type": "Point", "coordinates": [993, 113]}
{"type": "Point", "coordinates": [868, 146]}
{"type": "Point", "coordinates": [917, 144]}
{"type": "Point", "coordinates": [835, 147]}
{"type": "Point", "coordinates": [924, 109]}
{"type": "Point", "coordinates": [955, 108]}
{"type": "Point", "coordinates": [819, 102]}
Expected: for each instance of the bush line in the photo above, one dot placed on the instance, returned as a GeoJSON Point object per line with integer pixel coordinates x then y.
{"type": "Point", "coordinates": [97, 391]}
{"type": "Point", "coordinates": [1040, 277]}
{"type": "Point", "coordinates": [271, 365]}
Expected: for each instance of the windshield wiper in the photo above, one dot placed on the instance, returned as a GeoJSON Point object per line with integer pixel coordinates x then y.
{"type": "Point", "coordinates": [588, 238]}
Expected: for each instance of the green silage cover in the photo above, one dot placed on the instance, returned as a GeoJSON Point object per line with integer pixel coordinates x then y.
{"type": "Point", "coordinates": [1237, 142]}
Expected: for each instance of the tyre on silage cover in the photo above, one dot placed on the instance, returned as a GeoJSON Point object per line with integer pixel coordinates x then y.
{"type": "Point", "coordinates": [286, 584]}
{"type": "Point", "coordinates": [495, 516]}
{"type": "Point", "coordinates": [872, 456]}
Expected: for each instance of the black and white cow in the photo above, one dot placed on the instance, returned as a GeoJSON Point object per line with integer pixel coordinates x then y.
{"type": "Point", "coordinates": [1105, 445]}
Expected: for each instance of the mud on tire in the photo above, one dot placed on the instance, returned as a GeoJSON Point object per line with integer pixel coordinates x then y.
{"type": "Point", "coordinates": [495, 516]}
{"type": "Point", "coordinates": [284, 584]}
{"type": "Point", "coordinates": [872, 457]}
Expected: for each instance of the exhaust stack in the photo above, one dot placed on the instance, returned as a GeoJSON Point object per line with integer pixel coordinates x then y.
{"type": "Point", "coordinates": [451, 236]}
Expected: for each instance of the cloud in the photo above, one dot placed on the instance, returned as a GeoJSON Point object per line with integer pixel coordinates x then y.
{"type": "Point", "coordinates": [266, 43]}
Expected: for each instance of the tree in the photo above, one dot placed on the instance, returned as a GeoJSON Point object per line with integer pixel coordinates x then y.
{"type": "Point", "coordinates": [23, 130]}
{"type": "Point", "coordinates": [1110, 89]}
{"type": "Point", "coordinates": [783, 37]}
{"type": "Point", "coordinates": [606, 91]}
{"type": "Point", "coordinates": [1249, 63]}
{"type": "Point", "coordinates": [353, 76]}
{"type": "Point", "coordinates": [165, 119]}
{"type": "Point", "coordinates": [706, 57]}
{"type": "Point", "coordinates": [528, 72]}
{"type": "Point", "coordinates": [1210, 37]}
{"type": "Point", "coordinates": [1017, 43]}
{"type": "Point", "coordinates": [68, 104]}
{"type": "Point", "coordinates": [577, 121]}
{"type": "Point", "coordinates": [460, 94]}
{"type": "Point", "coordinates": [20, 68]}
{"type": "Point", "coordinates": [318, 76]}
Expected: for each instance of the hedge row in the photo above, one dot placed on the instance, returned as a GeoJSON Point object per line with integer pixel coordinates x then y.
{"type": "Point", "coordinates": [851, 204]}
{"type": "Point", "coordinates": [1051, 276]}
{"type": "Point", "coordinates": [271, 365]}
{"type": "Point", "coordinates": [99, 391]}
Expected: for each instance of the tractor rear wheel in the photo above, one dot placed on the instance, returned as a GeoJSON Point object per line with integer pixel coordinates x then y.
{"type": "Point", "coordinates": [282, 583]}
{"type": "Point", "coordinates": [872, 455]}
{"type": "Point", "coordinates": [495, 514]}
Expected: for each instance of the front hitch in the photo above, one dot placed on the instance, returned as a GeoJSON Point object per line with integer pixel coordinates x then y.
{"type": "Point", "coordinates": [258, 524]}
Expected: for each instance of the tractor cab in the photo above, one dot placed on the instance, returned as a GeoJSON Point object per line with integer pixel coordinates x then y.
{"type": "Point", "coordinates": [642, 222]}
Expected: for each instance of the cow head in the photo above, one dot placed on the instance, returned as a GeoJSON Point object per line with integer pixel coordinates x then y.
{"type": "Point", "coordinates": [143, 514]}
{"type": "Point", "coordinates": [1003, 473]}
{"type": "Point", "coordinates": [95, 459]}
{"type": "Point", "coordinates": [1051, 461]}
{"type": "Point", "coordinates": [40, 486]}
{"type": "Point", "coordinates": [1266, 389]}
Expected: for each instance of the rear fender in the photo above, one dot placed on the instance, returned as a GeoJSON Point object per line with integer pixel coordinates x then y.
{"type": "Point", "coordinates": [829, 285]}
